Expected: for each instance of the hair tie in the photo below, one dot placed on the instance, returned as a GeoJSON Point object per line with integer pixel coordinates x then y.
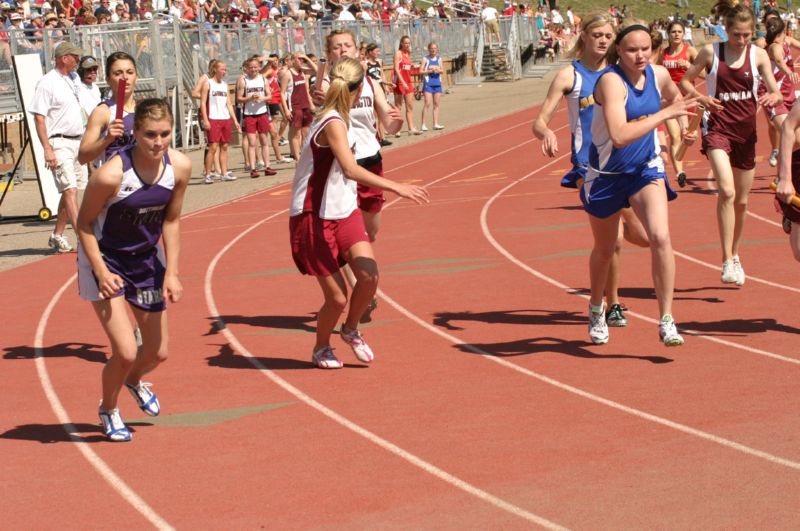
{"type": "Point", "coordinates": [634, 27]}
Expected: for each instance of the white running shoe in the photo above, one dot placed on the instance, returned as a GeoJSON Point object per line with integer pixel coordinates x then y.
{"type": "Point", "coordinates": [737, 267]}
{"type": "Point", "coordinates": [729, 274]}
{"type": "Point", "coordinates": [59, 243]}
{"type": "Point", "coordinates": [228, 177]}
{"type": "Point", "coordinates": [598, 329]}
{"type": "Point", "coordinates": [208, 179]}
{"type": "Point", "coordinates": [359, 346]}
{"type": "Point", "coordinates": [424, 128]}
{"type": "Point", "coordinates": [260, 165]}
{"type": "Point", "coordinates": [282, 142]}
{"type": "Point", "coordinates": [773, 158]}
{"type": "Point", "coordinates": [324, 358]}
{"type": "Point", "coordinates": [438, 127]}
{"type": "Point", "coordinates": [668, 332]}
{"type": "Point", "coordinates": [113, 427]}
{"type": "Point", "coordinates": [145, 398]}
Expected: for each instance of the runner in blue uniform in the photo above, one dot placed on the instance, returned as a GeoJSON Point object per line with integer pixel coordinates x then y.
{"type": "Point", "coordinates": [625, 169]}
{"type": "Point", "coordinates": [133, 201]}
{"type": "Point", "coordinates": [576, 83]}
{"type": "Point", "coordinates": [432, 84]}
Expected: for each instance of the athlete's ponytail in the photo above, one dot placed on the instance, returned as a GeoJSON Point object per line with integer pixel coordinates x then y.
{"type": "Point", "coordinates": [732, 12]}
{"type": "Point", "coordinates": [346, 76]}
{"type": "Point", "coordinates": [590, 22]}
{"type": "Point", "coordinates": [775, 26]}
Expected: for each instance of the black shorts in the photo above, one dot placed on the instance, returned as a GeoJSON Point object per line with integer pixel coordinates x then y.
{"type": "Point", "coordinates": [274, 109]}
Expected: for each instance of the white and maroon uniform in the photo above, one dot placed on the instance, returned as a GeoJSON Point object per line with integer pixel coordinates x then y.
{"type": "Point", "coordinates": [364, 124]}
{"type": "Point", "coordinates": [325, 220]}
{"type": "Point", "coordinates": [301, 106]}
{"type": "Point", "coordinates": [734, 128]}
{"type": "Point", "coordinates": [256, 113]}
{"type": "Point", "coordinates": [218, 115]}
{"type": "Point", "coordinates": [785, 84]}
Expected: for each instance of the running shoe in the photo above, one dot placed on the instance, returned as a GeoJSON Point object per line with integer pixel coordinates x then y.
{"type": "Point", "coordinates": [269, 172]}
{"type": "Point", "coordinates": [254, 174]}
{"type": "Point", "coordinates": [208, 179]}
{"type": "Point", "coordinates": [737, 267]}
{"type": "Point", "coordinates": [415, 132]}
{"type": "Point", "coordinates": [59, 243]}
{"type": "Point", "coordinates": [598, 329]}
{"type": "Point", "coordinates": [228, 177]}
{"type": "Point", "coordinates": [424, 128]}
{"type": "Point", "coordinates": [615, 317]}
{"type": "Point", "coordinates": [282, 142]}
{"type": "Point", "coordinates": [668, 332]}
{"type": "Point", "coordinates": [283, 161]}
{"type": "Point", "coordinates": [773, 158]}
{"type": "Point", "coordinates": [359, 346]}
{"type": "Point", "coordinates": [145, 398]}
{"type": "Point", "coordinates": [729, 273]}
{"type": "Point", "coordinates": [259, 165]}
{"type": "Point", "coordinates": [324, 358]}
{"type": "Point", "coordinates": [367, 317]}
{"type": "Point", "coordinates": [682, 179]}
{"type": "Point", "coordinates": [385, 143]}
{"type": "Point", "coordinates": [113, 427]}
{"type": "Point", "coordinates": [438, 127]}
{"type": "Point", "coordinates": [247, 169]}
{"type": "Point", "coordinates": [397, 134]}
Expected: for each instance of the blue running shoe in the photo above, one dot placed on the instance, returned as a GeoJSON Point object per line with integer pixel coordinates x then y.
{"type": "Point", "coordinates": [147, 400]}
{"type": "Point", "coordinates": [113, 427]}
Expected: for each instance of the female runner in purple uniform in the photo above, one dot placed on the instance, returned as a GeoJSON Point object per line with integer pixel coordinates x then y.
{"type": "Point", "coordinates": [133, 200]}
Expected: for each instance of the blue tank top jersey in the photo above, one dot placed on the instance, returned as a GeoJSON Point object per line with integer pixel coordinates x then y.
{"type": "Point", "coordinates": [127, 138]}
{"type": "Point", "coordinates": [606, 158]}
{"type": "Point", "coordinates": [580, 107]}
{"type": "Point", "coordinates": [132, 220]}
{"type": "Point", "coordinates": [433, 80]}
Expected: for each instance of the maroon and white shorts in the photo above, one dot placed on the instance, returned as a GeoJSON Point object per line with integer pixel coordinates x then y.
{"type": "Point", "coordinates": [220, 131]}
{"type": "Point", "coordinates": [371, 199]}
{"type": "Point", "coordinates": [319, 245]}
{"type": "Point", "coordinates": [741, 154]}
{"type": "Point", "coordinates": [301, 118]}
{"type": "Point", "coordinates": [258, 123]}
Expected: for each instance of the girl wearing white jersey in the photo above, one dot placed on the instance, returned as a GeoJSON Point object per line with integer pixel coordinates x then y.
{"type": "Point", "coordinates": [253, 93]}
{"type": "Point", "coordinates": [326, 225]}
{"type": "Point", "coordinates": [216, 111]}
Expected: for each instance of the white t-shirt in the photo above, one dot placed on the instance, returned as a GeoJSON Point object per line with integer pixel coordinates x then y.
{"type": "Point", "coordinates": [488, 13]}
{"type": "Point", "coordinates": [346, 15]}
{"type": "Point", "coordinates": [89, 96]}
{"type": "Point", "coordinates": [57, 99]}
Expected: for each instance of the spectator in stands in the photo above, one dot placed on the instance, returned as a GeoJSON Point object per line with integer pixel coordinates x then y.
{"type": "Point", "coordinates": [103, 9]}
{"type": "Point", "coordinates": [492, 26]}
{"type": "Point", "coordinates": [59, 123]}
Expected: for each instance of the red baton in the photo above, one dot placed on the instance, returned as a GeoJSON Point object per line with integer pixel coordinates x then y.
{"type": "Point", "coordinates": [121, 98]}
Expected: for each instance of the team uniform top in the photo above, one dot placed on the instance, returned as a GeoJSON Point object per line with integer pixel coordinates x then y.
{"type": "Point", "coordinates": [375, 71]}
{"type": "Point", "coordinates": [299, 94]}
{"type": "Point", "coordinates": [218, 100]}
{"type": "Point", "coordinates": [784, 82]}
{"type": "Point", "coordinates": [126, 139]}
{"type": "Point", "coordinates": [433, 79]}
{"type": "Point", "coordinates": [255, 86]}
{"type": "Point", "coordinates": [131, 222]}
{"type": "Point", "coordinates": [364, 123]}
{"type": "Point", "coordinates": [670, 62]}
{"type": "Point", "coordinates": [405, 68]}
{"type": "Point", "coordinates": [319, 185]}
{"type": "Point", "coordinates": [736, 88]}
{"type": "Point", "coordinates": [639, 103]}
{"type": "Point", "coordinates": [275, 87]}
{"type": "Point", "coordinates": [580, 109]}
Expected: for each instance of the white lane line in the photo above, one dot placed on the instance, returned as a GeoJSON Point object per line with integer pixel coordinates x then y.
{"type": "Point", "coordinates": [90, 455]}
{"type": "Point", "coordinates": [344, 421]}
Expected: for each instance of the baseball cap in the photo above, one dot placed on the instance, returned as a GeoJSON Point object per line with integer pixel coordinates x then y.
{"type": "Point", "coordinates": [6, 6]}
{"type": "Point", "coordinates": [88, 62]}
{"type": "Point", "coordinates": [46, 6]}
{"type": "Point", "coordinates": [67, 48]}
{"type": "Point", "coordinates": [15, 16]}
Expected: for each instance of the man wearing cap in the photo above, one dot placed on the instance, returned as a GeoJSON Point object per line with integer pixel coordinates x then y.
{"type": "Point", "coordinates": [60, 124]}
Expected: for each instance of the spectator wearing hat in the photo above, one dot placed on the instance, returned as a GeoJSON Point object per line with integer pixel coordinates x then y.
{"type": "Point", "coordinates": [90, 92]}
{"type": "Point", "coordinates": [103, 9]}
{"type": "Point", "coordinates": [60, 124]}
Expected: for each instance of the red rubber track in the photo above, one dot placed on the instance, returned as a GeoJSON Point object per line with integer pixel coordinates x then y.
{"type": "Point", "coordinates": [549, 448]}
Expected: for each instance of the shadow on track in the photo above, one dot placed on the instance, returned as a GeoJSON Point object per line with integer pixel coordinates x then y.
{"type": "Point", "coordinates": [54, 433]}
{"type": "Point", "coordinates": [518, 317]}
{"type": "Point", "coordinates": [229, 359]}
{"type": "Point", "coordinates": [86, 351]}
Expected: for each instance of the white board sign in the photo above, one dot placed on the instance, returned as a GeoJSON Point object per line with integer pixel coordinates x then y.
{"type": "Point", "coordinates": [28, 70]}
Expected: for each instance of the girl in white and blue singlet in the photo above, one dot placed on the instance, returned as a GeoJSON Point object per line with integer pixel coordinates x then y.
{"type": "Point", "coordinates": [326, 225]}
{"type": "Point", "coordinates": [133, 201]}
{"type": "Point", "coordinates": [432, 84]}
{"type": "Point", "coordinates": [625, 169]}
{"type": "Point", "coordinates": [576, 83]}
{"type": "Point", "coordinates": [105, 135]}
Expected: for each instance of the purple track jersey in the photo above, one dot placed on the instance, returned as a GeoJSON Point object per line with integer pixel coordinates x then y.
{"type": "Point", "coordinates": [128, 231]}
{"type": "Point", "coordinates": [127, 137]}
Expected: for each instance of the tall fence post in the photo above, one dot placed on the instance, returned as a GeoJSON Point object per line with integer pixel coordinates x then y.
{"type": "Point", "coordinates": [158, 68]}
{"type": "Point", "coordinates": [179, 114]}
